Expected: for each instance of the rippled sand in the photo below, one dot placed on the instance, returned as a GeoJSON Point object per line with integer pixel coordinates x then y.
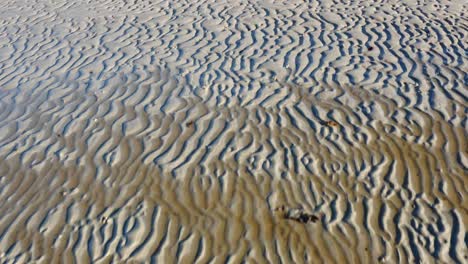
{"type": "Point", "coordinates": [233, 131]}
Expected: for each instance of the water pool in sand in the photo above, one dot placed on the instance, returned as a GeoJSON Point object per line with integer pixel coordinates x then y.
{"type": "Point", "coordinates": [233, 131]}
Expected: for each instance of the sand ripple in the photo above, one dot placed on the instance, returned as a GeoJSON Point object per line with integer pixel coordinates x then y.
{"type": "Point", "coordinates": [170, 131]}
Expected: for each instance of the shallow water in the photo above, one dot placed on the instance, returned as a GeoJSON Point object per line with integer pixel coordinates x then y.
{"type": "Point", "coordinates": [174, 131]}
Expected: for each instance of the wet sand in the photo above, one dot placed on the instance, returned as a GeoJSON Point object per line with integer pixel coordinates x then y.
{"type": "Point", "coordinates": [233, 132]}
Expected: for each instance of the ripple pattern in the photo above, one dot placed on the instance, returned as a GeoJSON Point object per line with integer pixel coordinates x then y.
{"type": "Point", "coordinates": [169, 131]}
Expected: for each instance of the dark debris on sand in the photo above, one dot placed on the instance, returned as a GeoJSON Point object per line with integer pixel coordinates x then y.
{"type": "Point", "coordinates": [329, 123]}
{"type": "Point", "coordinates": [297, 215]}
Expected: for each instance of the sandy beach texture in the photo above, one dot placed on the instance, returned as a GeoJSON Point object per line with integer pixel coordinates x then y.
{"type": "Point", "coordinates": [146, 131]}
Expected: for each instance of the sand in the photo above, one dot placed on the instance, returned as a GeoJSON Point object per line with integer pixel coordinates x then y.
{"type": "Point", "coordinates": [233, 131]}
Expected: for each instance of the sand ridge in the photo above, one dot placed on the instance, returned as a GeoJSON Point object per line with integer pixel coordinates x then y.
{"type": "Point", "coordinates": [169, 131]}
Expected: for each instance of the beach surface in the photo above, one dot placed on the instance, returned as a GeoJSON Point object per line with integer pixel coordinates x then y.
{"type": "Point", "coordinates": [233, 131]}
